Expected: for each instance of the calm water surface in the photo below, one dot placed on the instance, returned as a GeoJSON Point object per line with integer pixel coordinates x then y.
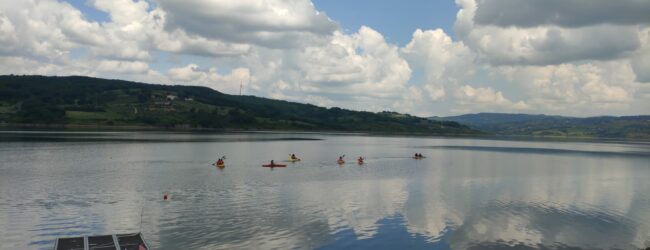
{"type": "Point", "coordinates": [468, 193]}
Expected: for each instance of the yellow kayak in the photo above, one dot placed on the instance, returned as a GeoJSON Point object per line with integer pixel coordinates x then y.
{"type": "Point", "coordinates": [294, 160]}
{"type": "Point", "coordinates": [340, 162]}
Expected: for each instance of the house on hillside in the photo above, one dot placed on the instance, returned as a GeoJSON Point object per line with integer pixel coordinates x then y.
{"type": "Point", "coordinates": [162, 103]}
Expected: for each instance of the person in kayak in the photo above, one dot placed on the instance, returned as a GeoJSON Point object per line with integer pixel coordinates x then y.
{"type": "Point", "coordinates": [272, 163]}
{"type": "Point", "coordinates": [340, 160]}
{"type": "Point", "coordinates": [360, 160]}
{"type": "Point", "coordinates": [220, 161]}
{"type": "Point", "coordinates": [293, 157]}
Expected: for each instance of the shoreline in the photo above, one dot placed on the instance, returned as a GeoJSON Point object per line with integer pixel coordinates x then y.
{"type": "Point", "coordinates": [8, 127]}
{"type": "Point", "coordinates": [183, 128]}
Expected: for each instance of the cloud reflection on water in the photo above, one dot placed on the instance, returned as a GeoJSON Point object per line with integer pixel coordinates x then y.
{"type": "Point", "coordinates": [456, 198]}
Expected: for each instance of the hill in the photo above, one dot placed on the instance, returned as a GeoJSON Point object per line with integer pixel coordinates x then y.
{"type": "Point", "coordinates": [77, 100]}
{"type": "Point", "coordinates": [633, 127]}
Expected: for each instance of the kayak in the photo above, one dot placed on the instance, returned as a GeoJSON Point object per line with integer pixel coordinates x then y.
{"type": "Point", "coordinates": [340, 162]}
{"type": "Point", "coordinates": [360, 162]}
{"type": "Point", "coordinates": [419, 158]}
{"type": "Point", "coordinates": [274, 165]}
{"type": "Point", "coordinates": [294, 160]}
{"type": "Point", "coordinates": [220, 165]}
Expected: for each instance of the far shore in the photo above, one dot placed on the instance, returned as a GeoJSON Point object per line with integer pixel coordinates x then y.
{"type": "Point", "coordinates": [186, 128]}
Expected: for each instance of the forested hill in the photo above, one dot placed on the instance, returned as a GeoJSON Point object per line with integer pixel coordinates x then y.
{"type": "Point", "coordinates": [634, 127]}
{"type": "Point", "coordinates": [75, 100]}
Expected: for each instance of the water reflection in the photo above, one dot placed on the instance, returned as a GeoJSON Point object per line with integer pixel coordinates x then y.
{"type": "Point", "coordinates": [542, 225]}
{"type": "Point", "coordinates": [456, 198]}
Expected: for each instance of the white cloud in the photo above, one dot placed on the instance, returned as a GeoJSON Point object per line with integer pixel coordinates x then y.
{"type": "Point", "coordinates": [35, 30]}
{"type": "Point", "coordinates": [543, 44]}
{"type": "Point", "coordinates": [122, 66]}
{"type": "Point", "coordinates": [25, 65]}
{"type": "Point", "coordinates": [193, 75]}
{"type": "Point", "coordinates": [359, 64]}
{"type": "Point", "coordinates": [584, 88]}
{"type": "Point", "coordinates": [135, 26]}
{"type": "Point", "coordinates": [485, 99]}
{"type": "Point", "coordinates": [271, 23]}
{"type": "Point", "coordinates": [444, 61]}
{"type": "Point", "coordinates": [289, 50]}
{"type": "Point", "coordinates": [7, 35]}
{"type": "Point", "coordinates": [359, 71]}
{"type": "Point", "coordinates": [560, 61]}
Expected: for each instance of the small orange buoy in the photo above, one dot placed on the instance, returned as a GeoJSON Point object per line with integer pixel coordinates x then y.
{"type": "Point", "coordinates": [165, 195]}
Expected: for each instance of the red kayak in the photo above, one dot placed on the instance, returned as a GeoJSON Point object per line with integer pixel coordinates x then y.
{"type": "Point", "coordinates": [274, 165]}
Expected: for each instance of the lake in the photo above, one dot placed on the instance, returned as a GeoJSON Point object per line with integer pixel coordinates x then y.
{"type": "Point", "coordinates": [467, 193]}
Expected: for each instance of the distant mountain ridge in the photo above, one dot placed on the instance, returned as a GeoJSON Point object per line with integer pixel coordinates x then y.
{"type": "Point", "coordinates": [550, 125]}
{"type": "Point", "coordinates": [87, 101]}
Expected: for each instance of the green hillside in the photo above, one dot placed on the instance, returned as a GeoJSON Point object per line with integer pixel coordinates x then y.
{"type": "Point", "coordinates": [75, 100]}
{"type": "Point", "coordinates": [633, 127]}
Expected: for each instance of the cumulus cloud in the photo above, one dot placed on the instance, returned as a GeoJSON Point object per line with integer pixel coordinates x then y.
{"type": "Point", "coordinates": [485, 99]}
{"type": "Point", "coordinates": [568, 57]}
{"type": "Point", "coordinates": [271, 23]}
{"type": "Point", "coordinates": [572, 14]}
{"type": "Point", "coordinates": [33, 29]}
{"type": "Point", "coordinates": [583, 88]}
{"type": "Point", "coordinates": [7, 35]}
{"type": "Point", "coordinates": [562, 60]}
{"type": "Point", "coordinates": [358, 71]}
{"type": "Point", "coordinates": [122, 66]}
{"type": "Point", "coordinates": [443, 61]}
{"type": "Point", "coordinates": [542, 44]}
{"type": "Point", "coordinates": [138, 26]}
{"type": "Point", "coordinates": [193, 75]}
{"type": "Point", "coordinates": [363, 63]}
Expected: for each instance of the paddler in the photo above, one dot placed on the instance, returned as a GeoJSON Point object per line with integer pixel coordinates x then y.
{"type": "Point", "coordinates": [220, 161]}
{"type": "Point", "coordinates": [360, 160]}
{"type": "Point", "coordinates": [293, 157]}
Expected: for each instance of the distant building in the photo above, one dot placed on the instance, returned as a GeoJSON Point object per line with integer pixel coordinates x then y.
{"type": "Point", "coordinates": [171, 97]}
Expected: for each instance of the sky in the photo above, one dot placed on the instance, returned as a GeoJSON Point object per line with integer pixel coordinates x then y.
{"type": "Point", "coordinates": [427, 58]}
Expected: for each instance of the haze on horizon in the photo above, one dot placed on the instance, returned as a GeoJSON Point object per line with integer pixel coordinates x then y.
{"type": "Point", "coordinates": [577, 58]}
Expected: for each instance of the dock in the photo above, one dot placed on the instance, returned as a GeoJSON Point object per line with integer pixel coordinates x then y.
{"type": "Point", "coordinates": [133, 241]}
